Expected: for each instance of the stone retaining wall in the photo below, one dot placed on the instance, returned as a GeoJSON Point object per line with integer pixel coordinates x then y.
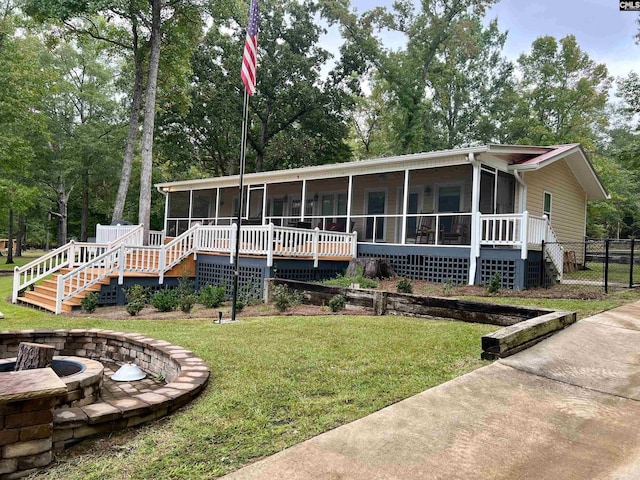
{"type": "Point", "coordinates": [185, 373]}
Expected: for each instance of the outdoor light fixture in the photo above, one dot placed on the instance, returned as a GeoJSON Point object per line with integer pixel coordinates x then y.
{"type": "Point", "coordinates": [129, 372]}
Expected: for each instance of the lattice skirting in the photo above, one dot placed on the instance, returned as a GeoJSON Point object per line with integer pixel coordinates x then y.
{"type": "Point", "coordinates": [427, 267]}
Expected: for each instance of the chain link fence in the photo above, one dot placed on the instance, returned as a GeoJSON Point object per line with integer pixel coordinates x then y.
{"type": "Point", "coordinates": [594, 265]}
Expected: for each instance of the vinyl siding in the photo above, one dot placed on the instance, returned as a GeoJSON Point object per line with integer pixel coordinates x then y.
{"type": "Point", "coordinates": [567, 200]}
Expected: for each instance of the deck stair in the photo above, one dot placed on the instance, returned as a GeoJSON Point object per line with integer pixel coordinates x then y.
{"type": "Point", "coordinates": [60, 280]}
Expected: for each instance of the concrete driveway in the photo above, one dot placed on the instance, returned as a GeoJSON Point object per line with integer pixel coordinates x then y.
{"type": "Point", "coordinates": [566, 408]}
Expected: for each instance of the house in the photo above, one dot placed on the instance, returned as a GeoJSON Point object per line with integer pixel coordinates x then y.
{"type": "Point", "coordinates": [458, 215]}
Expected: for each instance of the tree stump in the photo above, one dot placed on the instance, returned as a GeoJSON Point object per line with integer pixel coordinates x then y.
{"type": "Point", "coordinates": [371, 268]}
{"type": "Point", "coordinates": [34, 355]}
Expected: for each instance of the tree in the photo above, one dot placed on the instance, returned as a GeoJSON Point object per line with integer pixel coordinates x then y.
{"type": "Point", "coordinates": [295, 117]}
{"type": "Point", "coordinates": [406, 71]}
{"type": "Point", "coordinates": [563, 94]}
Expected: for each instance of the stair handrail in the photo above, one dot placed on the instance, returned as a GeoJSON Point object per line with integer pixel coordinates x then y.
{"type": "Point", "coordinates": [87, 274]}
{"type": "Point", "coordinates": [556, 255]}
{"type": "Point", "coordinates": [32, 271]}
{"type": "Point", "coordinates": [178, 249]}
{"type": "Point", "coordinates": [136, 235]}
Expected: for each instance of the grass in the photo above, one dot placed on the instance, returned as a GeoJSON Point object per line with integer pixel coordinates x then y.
{"type": "Point", "coordinates": [275, 382]}
{"type": "Point", "coordinates": [618, 273]}
{"type": "Point", "coordinates": [19, 261]}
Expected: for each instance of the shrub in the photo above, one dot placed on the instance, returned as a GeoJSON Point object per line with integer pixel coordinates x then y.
{"type": "Point", "coordinates": [186, 302]}
{"type": "Point", "coordinates": [212, 297]}
{"type": "Point", "coordinates": [404, 285]}
{"type": "Point", "coordinates": [136, 297]}
{"type": "Point", "coordinates": [337, 302]}
{"type": "Point", "coordinates": [447, 287]}
{"type": "Point", "coordinates": [494, 285]}
{"type": "Point", "coordinates": [284, 298]}
{"type": "Point", "coordinates": [185, 286]}
{"type": "Point", "coordinates": [134, 307]}
{"type": "Point", "coordinates": [90, 302]}
{"type": "Point", "coordinates": [164, 300]}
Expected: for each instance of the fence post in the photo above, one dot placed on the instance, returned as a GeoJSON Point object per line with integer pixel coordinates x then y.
{"type": "Point", "coordinates": [543, 283]}
{"type": "Point", "coordinates": [606, 266]}
{"type": "Point", "coordinates": [584, 257]}
{"type": "Point", "coordinates": [631, 261]}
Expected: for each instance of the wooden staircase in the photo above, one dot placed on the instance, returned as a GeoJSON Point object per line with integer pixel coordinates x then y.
{"type": "Point", "coordinates": [43, 295]}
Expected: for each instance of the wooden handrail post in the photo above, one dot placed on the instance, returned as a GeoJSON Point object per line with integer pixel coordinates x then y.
{"type": "Point", "coordinates": [270, 245]}
{"type": "Point", "coordinates": [316, 237]}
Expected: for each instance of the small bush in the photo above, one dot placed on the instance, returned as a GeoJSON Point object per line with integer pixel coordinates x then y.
{"type": "Point", "coordinates": [136, 292]}
{"type": "Point", "coordinates": [186, 302]}
{"type": "Point", "coordinates": [134, 307]}
{"type": "Point", "coordinates": [494, 285]}
{"type": "Point", "coordinates": [136, 297]}
{"type": "Point", "coordinates": [212, 297]}
{"type": "Point", "coordinates": [90, 302]}
{"type": "Point", "coordinates": [337, 302]}
{"type": "Point", "coordinates": [404, 285]}
{"type": "Point", "coordinates": [448, 286]}
{"type": "Point", "coordinates": [283, 297]}
{"type": "Point", "coordinates": [164, 300]}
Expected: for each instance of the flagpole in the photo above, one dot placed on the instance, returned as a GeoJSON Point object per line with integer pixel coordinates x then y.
{"type": "Point", "coordinates": [243, 151]}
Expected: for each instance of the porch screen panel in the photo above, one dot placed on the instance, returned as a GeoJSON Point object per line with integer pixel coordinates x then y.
{"type": "Point", "coordinates": [179, 205]}
{"type": "Point", "coordinates": [487, 184]}
{"type": "Point", "coordinates": [506, 198]}
{"type": "Point", "coordinates": [203, 204]}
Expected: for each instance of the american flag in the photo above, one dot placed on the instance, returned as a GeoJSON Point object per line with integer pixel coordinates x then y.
{"type": "Point", "coordinates": [250, 57]}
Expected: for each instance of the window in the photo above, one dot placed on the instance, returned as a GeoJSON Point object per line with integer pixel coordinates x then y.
{"type": "Point", "coordinates": [546, 206]}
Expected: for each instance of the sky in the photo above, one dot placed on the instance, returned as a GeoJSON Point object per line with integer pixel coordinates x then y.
{"type": "Point", "coordinates": [601, 29]}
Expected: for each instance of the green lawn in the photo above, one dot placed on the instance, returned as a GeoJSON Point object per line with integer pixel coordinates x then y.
{"type": "Point", "coordinates": [19, 261]}
{"type": "Point", "coordinates": [276, 381]}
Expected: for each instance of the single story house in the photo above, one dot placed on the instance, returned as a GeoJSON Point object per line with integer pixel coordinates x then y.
{"type": "Point", "coordinates": [461, 216]}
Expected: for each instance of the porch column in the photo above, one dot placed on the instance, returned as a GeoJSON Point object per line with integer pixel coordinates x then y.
{"type": "Point", "coordinates": [217, 205]}
{"type": "Point", "coordinates": [474, 252]}
{"type": "Point", "coordinates": [190, 208]}
{"type": "Point", "coordinates": [303, 199]}
{"type": "Point", "coordinates": [264, 203]}
{"type": "Point", "coordinates": [166, 213]}
{"type": "Point", "coordinates": [405, 203]}
{"type": "Point", "coordinates": [349, 197]}
{"type": "Point", "coordinates": [248, 201]}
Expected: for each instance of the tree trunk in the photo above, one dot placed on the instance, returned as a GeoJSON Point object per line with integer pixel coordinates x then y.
{"type": "Point", "coordinates": [146, 169]}
{"type": "Point", "coordinates": [62, 203]}
{"type": "Point", "coordinates": [84, 212]}
{"type": "Point", "coordinates": [132, 133]}
{"type": "Point", "coordinates": [10, 245]}
{"type": "Point", "coordinates": [370, 268]}
{"type": "Point", "coordinates": [34, 355]}
{"type": "Point", "coordinates": [20, 235]}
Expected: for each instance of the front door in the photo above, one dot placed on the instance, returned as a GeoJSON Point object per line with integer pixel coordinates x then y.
{"type": "Point", "coordinates": [376, 203]}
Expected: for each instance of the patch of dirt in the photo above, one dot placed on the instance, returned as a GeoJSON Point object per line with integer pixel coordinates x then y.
{"type": "Point", "coordinates": [422, 287]}
{"type": "Point", "coordinates": [199, 311]}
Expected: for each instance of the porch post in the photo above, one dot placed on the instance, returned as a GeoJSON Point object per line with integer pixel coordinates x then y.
{"type": "Point", "coordinates": [524, 235]}
{"type": "Point", "coordinates": [190, 208]}
{"type": "Point", "coordinates": [264, 202]}
{"type": "Point", "coordinates": [303, 199]}
{"type": "Point", "coordinates": [166, 213]}
{"type": "Point", "coordinates": [217, 214]}
{"type": "Point", "coordinates": [474, 252]}
{"type": "Point", "coordinates": [248, 201]}
{"type": "Point", "coordinates": [405, 203]}
{"type": "Point", "coordinates": [349, 197]}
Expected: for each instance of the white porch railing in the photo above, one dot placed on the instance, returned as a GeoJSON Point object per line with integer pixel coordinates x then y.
{"type": "Point", "coordinates": [70, 255]}
{"type": "Point", "coordinates": [267, 240]}
{"type": "Point", "coordinates": [510, 229]}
